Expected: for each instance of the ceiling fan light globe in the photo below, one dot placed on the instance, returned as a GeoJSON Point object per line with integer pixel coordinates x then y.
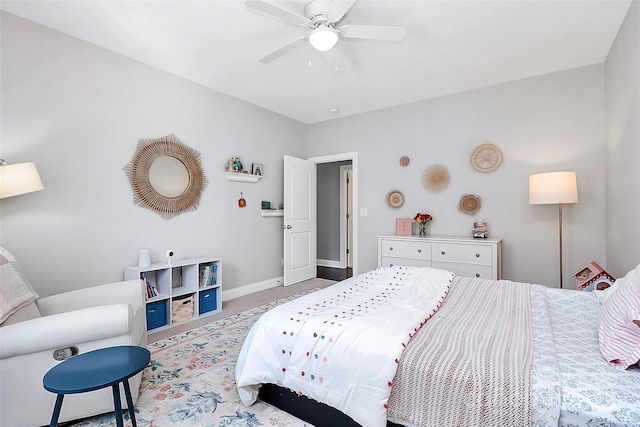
{"type": "Point", "coordinates": [323, 38]}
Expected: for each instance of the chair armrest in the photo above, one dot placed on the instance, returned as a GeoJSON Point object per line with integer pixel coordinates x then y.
{"type": "Point", "coordinates": [66, 329]}
{"type": "Point", "coordinates": [127, 292]}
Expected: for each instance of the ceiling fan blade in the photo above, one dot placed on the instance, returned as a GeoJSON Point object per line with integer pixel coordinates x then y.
{"type": "Point", "coordinates": [272, 9]}
{"type": "Point", "coordinates": [341, 9]}
{"type": "Point", "coordinates": [372, 32]}
{"type": "Point", "coordinates": [302, 41]}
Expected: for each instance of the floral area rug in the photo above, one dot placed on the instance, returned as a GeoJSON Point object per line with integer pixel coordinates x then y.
{"type": "Point", "coordinates": [190, 380]}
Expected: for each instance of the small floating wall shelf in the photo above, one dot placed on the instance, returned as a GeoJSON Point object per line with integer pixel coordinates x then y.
{"type": "Point", "coordinates": [272, 212]}
{"type": "Point", "coordinates": [242, 177]}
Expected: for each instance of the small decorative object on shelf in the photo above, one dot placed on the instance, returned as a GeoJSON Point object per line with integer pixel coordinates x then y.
{"type": "Point", "coordinates": [422, 219]}
{"type": "Point", "coordinates": [144, 259]}
{"type": "Point", "coordinates": [480, 229]}
{"type": "Point", "coordinates": [257, 169]}
{"type": "Point", "coordinates": [266, 205]}
{"type": "Point", "coordinates": [234, 165]}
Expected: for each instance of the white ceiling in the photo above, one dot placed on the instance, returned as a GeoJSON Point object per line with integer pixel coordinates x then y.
{"type": "Point", "coordinates": [451, 46]}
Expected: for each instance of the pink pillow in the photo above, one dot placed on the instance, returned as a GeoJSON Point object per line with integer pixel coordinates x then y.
{"type": "Point", "coordinates": [619, 323]}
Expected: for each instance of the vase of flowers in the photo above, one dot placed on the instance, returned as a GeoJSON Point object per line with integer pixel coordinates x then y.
{"type": "Point", "coordinates": [422, 219]}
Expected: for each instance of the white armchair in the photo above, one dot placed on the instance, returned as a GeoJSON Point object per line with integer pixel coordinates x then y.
{"type": "Point", "coordinates": [63, 325]}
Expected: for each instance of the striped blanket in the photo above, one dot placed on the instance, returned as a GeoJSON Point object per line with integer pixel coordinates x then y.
{"type": "Point", "coordinates": [471, 362]}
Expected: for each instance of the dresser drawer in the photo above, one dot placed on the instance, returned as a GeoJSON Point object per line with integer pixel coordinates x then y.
{"type": "Point", "coordinates": [466, 270]}
{"type": "Point", "coordinates": [406, 249]}
{"type": "Point", "coordinates": [389, 261]}
{"type": "Point", "coordinates": [469, 254]}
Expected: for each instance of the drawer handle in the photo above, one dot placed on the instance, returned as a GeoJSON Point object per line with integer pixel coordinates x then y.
{"type": "Point", "coordinates": [391, 248]}
{"type": "Point", "coordinates": [390, 265]}
{"type": "Point", "coordinates": [477, 274]}
{"type": "Point", "coordinates": [442, 252]}
{"type": "Point", "coordinates": [477, 255]}
{"type": "Point", "coordinates": [419, 251]}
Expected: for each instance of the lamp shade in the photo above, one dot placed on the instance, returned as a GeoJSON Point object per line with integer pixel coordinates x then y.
{"type": "Point", "coordinates": [323, 38]}
{"type": "Point", "coordinates": [553, 188]}
{"type": "Point", "coordinates": [18, 179]}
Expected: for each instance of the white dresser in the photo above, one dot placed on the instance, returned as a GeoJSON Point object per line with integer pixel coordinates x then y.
{"type": "Point", "coordinates": [464, 256]}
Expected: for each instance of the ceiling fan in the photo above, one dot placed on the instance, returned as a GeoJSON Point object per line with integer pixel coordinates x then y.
{"type": "Point", "coordinates": [322, 17]}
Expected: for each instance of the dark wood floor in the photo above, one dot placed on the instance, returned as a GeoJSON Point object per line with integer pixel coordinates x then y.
{"type": "Point", "coordinates": [334, 273]}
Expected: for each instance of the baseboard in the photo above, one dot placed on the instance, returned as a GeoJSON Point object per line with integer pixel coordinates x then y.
{"type": "Point", "coordinates": [330, 263]}
{"type": "Point", "coordinates": [249, 289]}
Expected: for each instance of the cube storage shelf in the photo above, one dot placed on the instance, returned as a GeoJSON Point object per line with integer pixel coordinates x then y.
{"type": "Point", "coordinates": [196, 280]}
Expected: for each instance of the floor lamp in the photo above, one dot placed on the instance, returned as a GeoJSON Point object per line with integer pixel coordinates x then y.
{"type": "Point", "coordinates": [18, 179]}
{"type": "Point", "coordinates": [554, 188]}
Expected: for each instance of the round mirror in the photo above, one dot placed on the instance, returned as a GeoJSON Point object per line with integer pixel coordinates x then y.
{"type": "Point", "coordinates": [168, 176]}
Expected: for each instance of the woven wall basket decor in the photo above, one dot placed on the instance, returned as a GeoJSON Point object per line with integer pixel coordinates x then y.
{"type": "Point", "coordinates": [436, 178]}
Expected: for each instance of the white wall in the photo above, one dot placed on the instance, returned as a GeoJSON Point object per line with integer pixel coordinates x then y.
{"type": "Point", "coordinates": [549, 123]}
{"type": "Point", "coordinates": [77, 111]}
{"type": "Point", "coordinates": [623, 147]}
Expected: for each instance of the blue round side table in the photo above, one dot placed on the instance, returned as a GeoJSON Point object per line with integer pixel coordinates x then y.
{"type": "Point", "coordinates": [95, 370]}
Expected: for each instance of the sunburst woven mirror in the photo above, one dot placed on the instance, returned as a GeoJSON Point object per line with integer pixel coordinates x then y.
{"type": "Point", "coordinates": [166, 176]}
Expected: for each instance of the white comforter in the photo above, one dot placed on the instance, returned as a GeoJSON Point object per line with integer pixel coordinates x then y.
{"type": "Point", "coordinates": [341, 345]}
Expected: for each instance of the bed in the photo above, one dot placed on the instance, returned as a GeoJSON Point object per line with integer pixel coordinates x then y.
{"type": "Point", "coordinates": [464, 352]}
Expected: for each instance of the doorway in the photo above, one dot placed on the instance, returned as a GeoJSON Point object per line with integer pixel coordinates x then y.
{"type": "Point", "coordinates": [335, 216]}
{"type": "Point", "coordinates": [299, 258]}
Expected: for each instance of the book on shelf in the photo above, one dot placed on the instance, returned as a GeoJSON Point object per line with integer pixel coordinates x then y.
{"type": "Point", "coordinates": [208, 275]}
{"type": "Point", "coordinates": [150, 290]}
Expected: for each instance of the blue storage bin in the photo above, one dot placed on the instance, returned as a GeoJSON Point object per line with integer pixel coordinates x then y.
{"type": "Point", "coordinates": [156, 314]}
{"type": "Point", "coordinates": [208, 300]}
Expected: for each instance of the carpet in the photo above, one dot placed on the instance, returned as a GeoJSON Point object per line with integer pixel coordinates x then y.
{"type": "Point", "coordinates": [190, 380]}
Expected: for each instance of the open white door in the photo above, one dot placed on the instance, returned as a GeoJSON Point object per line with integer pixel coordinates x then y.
{"type": "Point", "coordinates": [299, 220]}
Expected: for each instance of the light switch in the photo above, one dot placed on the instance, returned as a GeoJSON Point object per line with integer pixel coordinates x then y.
{"type": "Point", "coordinates": [363, 212]}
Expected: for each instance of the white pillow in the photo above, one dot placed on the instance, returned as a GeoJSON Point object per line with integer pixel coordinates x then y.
{"type": "Point", "coordinates": [631, 277]}
{"type": "Point", "coordinates": [605, 293]}
{"type": "Point", "coordinates": [619, 322]}
{"type": "Point", "coordinates": [15, 290]}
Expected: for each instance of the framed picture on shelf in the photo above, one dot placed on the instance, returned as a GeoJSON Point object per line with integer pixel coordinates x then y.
{"type": "Point", "coordinates": [257, 168]}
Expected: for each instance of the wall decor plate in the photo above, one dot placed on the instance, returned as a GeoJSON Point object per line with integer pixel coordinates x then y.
{"type": "Point", "coordinates": [469, 204]}
{"type": "Point", "coordinates": [395, 199]}
{"type": "Point", "coordinates": [486, 158]}
{"type": "Point", "coordinates": [436, 178]}
{"type": "Point", "coordinates": [404, 161]}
